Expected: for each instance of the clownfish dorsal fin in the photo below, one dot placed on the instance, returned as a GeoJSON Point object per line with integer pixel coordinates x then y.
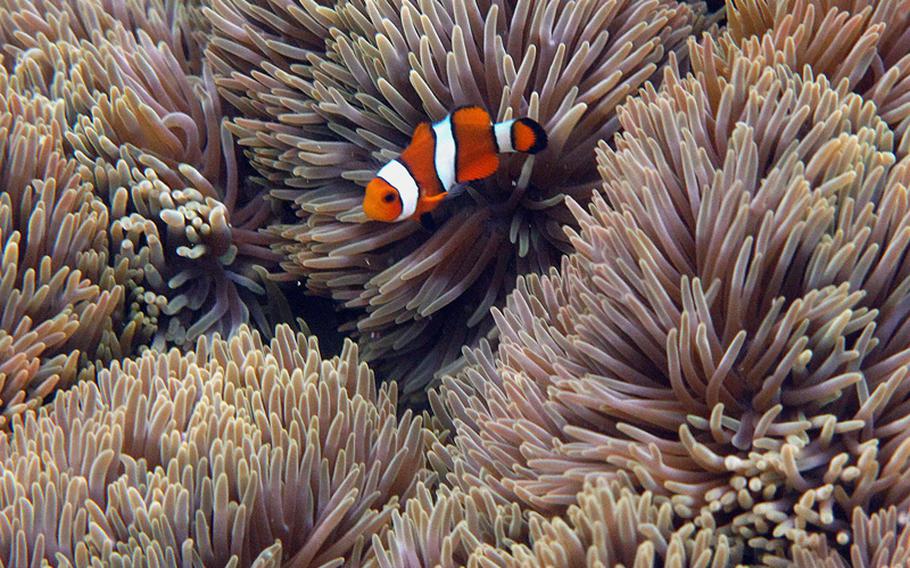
{"type": "Point", "coordinates": [472, 115]}
{"type": "Point", "coordinates": [419, 153]}
{"type": "Point", "coordinates": [423, 133]}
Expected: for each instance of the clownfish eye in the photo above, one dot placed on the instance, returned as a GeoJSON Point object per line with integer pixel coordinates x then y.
{"type": "Point", "coordinates": [389, 197]}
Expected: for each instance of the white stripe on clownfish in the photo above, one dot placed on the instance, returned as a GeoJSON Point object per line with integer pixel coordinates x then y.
{"type": "Point", "coordinates": [503, 133]}
{"type": "Point", "coordinates": [445, 152]}
{"type": "Point", "coordinates": [398, 176]}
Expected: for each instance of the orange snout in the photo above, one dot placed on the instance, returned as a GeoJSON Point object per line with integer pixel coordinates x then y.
{"type": "Point", "coordinates": [381, 202]}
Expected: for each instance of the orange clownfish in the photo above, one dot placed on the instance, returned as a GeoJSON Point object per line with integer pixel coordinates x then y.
{"type": "Point", "coordinates": [462, 147]}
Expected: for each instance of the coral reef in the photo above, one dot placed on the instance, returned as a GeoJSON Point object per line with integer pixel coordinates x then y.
{"type": "Point", "coordinates": [237, 452]}
{"type": "Point", "coordinates": [318, 121]}
{"type": "Point", "coordinates": [731, 328]}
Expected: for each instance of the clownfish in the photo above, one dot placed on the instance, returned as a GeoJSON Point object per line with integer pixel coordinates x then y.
{"type": "Point", "coordinates": [460, 148]}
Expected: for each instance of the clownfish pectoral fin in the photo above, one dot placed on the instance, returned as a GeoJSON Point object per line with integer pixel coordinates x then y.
{"type": "Point", "coordinates": [433, 201]}
{"type": "Point", "coordinates": [427, 204]}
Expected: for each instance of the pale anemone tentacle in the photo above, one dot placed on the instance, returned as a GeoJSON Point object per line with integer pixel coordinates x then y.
{"type": "Point", "coordinates": [871, 52]}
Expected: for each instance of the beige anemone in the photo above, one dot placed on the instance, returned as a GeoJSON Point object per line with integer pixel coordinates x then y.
{"type": "Point", "coordinates": [238, 452]}
{"type": "Point", "coordinates": [30, 24]}
{"type": "Point", "coordinates": [863, 42]}
{"type": "Point", "coordinates": [59, 298]}
{"type": "Point", "coordinates": [612, 525]}
{"type": "Point", "coordinates": [880, 540]}
{"type": "Point", "coordinates": [320, 120]}
{"type": "Point", "coordinates": [146, 126]}
{"type": "Point", "coordinates": [448, 527]}
{"type": "Point", "coordinates": [151, 139]}
{"type": "Point", "coordinates": [731, 330]}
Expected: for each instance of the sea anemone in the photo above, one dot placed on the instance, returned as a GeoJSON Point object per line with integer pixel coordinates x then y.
{"type": "Point", "coordinates": [32, 24]}
{"type": "Point", "coordinates": [152, 141]}
{"type": "Point", "coordinates": [880, 540]}
{"type": "Point", "coordinates": [731, 330]}
{"type": "Point", "coordinates": [871, 50]}
{"type": "Point", "coordinates": [58, 293]}
{"type": "Point", "coordinates": [237, 452]}
{"type": "Point", "coordinates": [145, 124]}
{"type": "Point", "coordinates": [322, 120]}
{"type": "Point", "coordinates": [447, 527]}
{"type": "Point", "coordinates": [253, 43]}
{"type": "Point", "coordinates": [612, 525]}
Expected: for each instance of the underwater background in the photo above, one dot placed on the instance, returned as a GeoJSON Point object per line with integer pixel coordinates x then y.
{"type": "Point", "coordinates": [678, 336]}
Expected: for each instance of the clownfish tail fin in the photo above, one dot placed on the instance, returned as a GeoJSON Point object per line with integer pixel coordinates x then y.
{"type": "Point", "coordinates": [528, 136]}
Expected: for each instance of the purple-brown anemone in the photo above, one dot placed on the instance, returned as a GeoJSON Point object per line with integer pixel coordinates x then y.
{"type": "Point", "coordinates": [320, 119]}
{"type": "Point", "coordinates": [59, 297]}
{"type": "Point", "coordinates": [730, 331]}
{"type": "Point", "coordinates": [240, 452]}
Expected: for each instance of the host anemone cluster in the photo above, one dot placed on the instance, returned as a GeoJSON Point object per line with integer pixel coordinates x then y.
{"type": "Point", "coordinates": [237, 452]}
{"type": "Point", "coordinates": [677, 336]}
{"type": "Point", "coordinates": [729, 330]}
{"type": "Point", "coordinates": [326, 94]}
